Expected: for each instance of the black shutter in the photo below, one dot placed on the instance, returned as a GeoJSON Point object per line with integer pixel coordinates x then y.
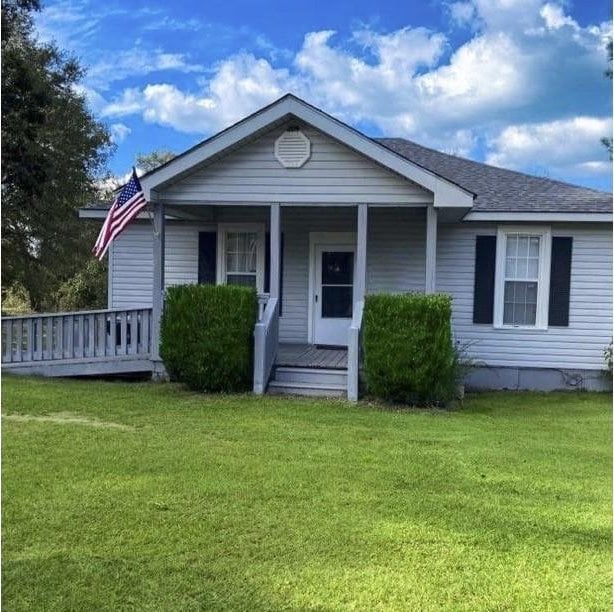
{"type": "Point", "coordinates": [267, 262]}
{"type": "Point", "coordinates": [484, 284]}
{"type": "Point", "coordinates": [560, 276]}
{"type": "Point", "coordinates": [281, 273]}
{"type": "Point", "coordinates": [207, 257]}
{"type": "Point", "coordinates": [267, 267]}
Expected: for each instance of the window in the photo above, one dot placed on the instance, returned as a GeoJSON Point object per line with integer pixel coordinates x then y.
{"type": "Point", "coordinates": [522, 277]}
{"type": "Point", "coordinates": [241, 256]}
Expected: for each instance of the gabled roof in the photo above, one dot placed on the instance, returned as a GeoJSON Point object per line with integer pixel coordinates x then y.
{"type": "Point", "coordinates": [501, 190]}
{"type": "Point", "coordinates": [446, 193]}
{"type": "Point", "coordinates": [485, 192]}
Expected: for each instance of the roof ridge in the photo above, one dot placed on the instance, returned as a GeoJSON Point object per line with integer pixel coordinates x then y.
{"type": "Point", "coordinates": [381, 140]}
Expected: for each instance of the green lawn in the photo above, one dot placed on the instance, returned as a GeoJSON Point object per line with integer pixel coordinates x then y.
{"type": "Point", "coordinates": [148, 497]}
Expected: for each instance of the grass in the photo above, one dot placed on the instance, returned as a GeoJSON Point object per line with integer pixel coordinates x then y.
{"type": "Point", "coordinates": [140, 496]}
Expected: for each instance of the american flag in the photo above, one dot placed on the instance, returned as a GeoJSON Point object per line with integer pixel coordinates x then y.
{"type": "Point", "coordinates": [125, 208]}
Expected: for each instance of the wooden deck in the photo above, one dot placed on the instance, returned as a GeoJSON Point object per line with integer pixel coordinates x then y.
{"type": "Point", "coordinates": [86, 343]}
{"type": "Point", "coordinates": [310, 356]}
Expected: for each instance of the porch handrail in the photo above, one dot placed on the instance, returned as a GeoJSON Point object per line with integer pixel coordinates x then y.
{"type": "Point", "coordinates": [266, 335]}
{"type": "Point", "coordinates": [354, 351]}
{"type": "Point", "coordinates": [76, 335]}
{"type": "Point", "coordinates": [263, 298]}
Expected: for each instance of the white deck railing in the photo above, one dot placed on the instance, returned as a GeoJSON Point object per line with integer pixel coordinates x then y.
{"type": "Point", "coordinates": [263, 298]}
{"type": "Point", "coordinates": [76, 335]}
{"type": "Point", "coordinates": [266, 337]}
{"type": "Point", "coordinates": [354, 351]}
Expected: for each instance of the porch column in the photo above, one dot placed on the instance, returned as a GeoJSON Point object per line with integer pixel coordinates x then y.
{"type": "Point", "coordinates": [275, 231]}
{"type": "Point", "coordinates": [431, 249]}
{"type": "Point", "coordinates": [361, 252]}
{"type": "Point", "coordinates": [158, 277]}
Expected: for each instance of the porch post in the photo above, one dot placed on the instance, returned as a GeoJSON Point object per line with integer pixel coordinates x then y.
{"type": "Point", "coordinates": [431, 249]}
{"type": "Point", "coordinates": [360, 290]}
{"type": "Point", "coordinates": [361, 252]}
{"type": "Point", "coordinates": [275, 231]}
{"type": "Point", "coordinates": [158, 277]}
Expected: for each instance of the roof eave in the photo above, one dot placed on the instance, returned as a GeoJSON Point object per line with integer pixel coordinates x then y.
{"type": "Point", "coordinates": [445, 193]}
{"type": "Point", "coordinates": [539, 216]}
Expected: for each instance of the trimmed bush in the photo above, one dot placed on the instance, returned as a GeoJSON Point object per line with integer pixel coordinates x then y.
{"type": "Point", "coordinates": [207, 336]}
{"type": "Point", "coordinates": [409, 355]}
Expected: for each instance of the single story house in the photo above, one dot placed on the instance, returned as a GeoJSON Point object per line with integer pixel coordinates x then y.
{"type": "Point", "coordinates": [315, 215]}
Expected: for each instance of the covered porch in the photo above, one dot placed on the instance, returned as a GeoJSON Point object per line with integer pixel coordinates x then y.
{"type": "Point", "coordinates": [319, 262]}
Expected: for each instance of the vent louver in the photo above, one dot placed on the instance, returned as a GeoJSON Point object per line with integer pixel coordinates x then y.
{"type": "Point", "coordinates": [292, 149]}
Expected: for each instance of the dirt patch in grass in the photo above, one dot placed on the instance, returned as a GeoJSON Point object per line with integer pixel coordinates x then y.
{"type": "Point", "coordinates": [66, 418]}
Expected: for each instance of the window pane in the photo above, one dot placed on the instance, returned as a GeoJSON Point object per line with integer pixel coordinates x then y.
{"type": "Point", "coordinates": [534, 246]}
{"type": "Point", "coordinates": [251, 259]}
{"type": "Point", "coordinates": [247, 280]}
{"type": "Point", "coordinates": [241, 252]}
{"type": "Point", "coordinates": [533, 268]}
{"type": "Point", "coordinates": [519, 303]}
{"type": "Point", "coordinates": [523, 246]}
{"type": "Point", "coordinates": [232, 264]}
{"type": "Point", "coordinates": [337, 268]}
{"type": "Point", "coordinates": [337, 302]}
{"type": "Point", "coordinates": [232, 242]}
{"type": "Point", "coordinates": [512, 245]}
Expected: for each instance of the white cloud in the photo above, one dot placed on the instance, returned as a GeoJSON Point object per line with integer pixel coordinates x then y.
{"type": "Point", "coordinates": [137, 62]}
{"type": "Point", "coordinates": [462, 13]}
{"type": "Point", "coordinates": [527, 66]}
{"type": "Point", "coordinates": [240, 86]}
{"type": "Point", "coordinates": [119, 132]}
{"type": "Point", "coordinates": [555, 18]}
{"type": "Point", "coordinates": [129, 103]}
{"type": "Point", "coordinates": [567, 146]}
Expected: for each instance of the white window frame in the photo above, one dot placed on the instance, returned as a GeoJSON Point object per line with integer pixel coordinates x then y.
{"type": "Point", "coordinates": [543, 278]}
{"type": "Point", "coordinates": [223, 229]}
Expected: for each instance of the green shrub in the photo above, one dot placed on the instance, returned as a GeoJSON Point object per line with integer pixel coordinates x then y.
{"type": "Point", "coordinates": [409, 355]}
{"type": "Point", "coordinates": [207, 336]}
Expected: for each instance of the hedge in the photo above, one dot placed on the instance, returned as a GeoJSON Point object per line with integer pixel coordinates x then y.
{"type": "Point", "coordinates": [207, 336]}
{"type": "Point", "coordinates": [409, 355]}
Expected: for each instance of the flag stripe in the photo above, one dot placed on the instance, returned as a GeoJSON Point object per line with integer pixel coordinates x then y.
{"type": "Point", "coordinates": [124, 209]}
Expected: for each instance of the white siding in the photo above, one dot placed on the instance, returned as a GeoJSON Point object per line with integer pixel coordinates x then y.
{"type": "Point", "coordinates": [132, 255]}
{"type": "Point", "coordinates": [590, 316]}
{"type": "Point", "coordinates": [396, 250]}
{"type": "Point", "coordinates": [296, 223]}
{"type": "Point", "coordinates": [395, 262]}
{"type": "Point", "coordinates": [334, 173]}
{"type": "Point", "coordinates": [395, 255]}
{"type": "Point", "coordinates": [132, 262]}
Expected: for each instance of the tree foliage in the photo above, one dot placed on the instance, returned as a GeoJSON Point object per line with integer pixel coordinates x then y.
{"type": "Point", "coordinates": [607, 141]}
{"type": "Point", "coordinates": [150, 161]}
{"type": "Point", "coordinates": [52, 151]}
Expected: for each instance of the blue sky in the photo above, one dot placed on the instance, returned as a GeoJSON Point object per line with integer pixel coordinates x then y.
{"type": "Point", "coordinates": [515, 83]}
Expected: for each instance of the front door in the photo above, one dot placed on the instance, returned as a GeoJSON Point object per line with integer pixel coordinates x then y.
{"type": "Point", "coordinates": [333, 293]}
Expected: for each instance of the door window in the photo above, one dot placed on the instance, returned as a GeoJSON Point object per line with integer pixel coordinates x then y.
{"type": "Point", "coordinates": [337, 284]}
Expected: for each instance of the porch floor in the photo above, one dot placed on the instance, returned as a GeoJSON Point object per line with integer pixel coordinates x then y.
{"type": "Point", "coordinates": [311, 356]}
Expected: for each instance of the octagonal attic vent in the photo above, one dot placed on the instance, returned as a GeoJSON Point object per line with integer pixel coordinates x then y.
{"type": "Point", "coordinates": [292, 148]}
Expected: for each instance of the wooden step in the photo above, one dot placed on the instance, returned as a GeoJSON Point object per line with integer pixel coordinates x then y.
{"type": "Point", "coordinates": [302, 388]}
{"type": "Point", "coordinates": [311, 375]}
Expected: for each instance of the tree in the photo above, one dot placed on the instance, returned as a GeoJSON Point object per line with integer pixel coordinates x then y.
{"type": "Point", "coordinates": [150, 161]}
{"type": "Point", "coordinates": [52, 152]}
{"type": "Point", "coordinates": [607, 141]}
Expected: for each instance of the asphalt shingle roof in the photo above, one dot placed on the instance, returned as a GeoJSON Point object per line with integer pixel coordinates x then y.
{"type": "Point", "coordinates": [501, 190]}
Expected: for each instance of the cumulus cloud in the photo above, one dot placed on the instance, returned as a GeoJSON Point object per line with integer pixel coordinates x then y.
{"type": "Point", "coordinates": [565, 146]}
{"type": "Point", "coordinates": [119, 132]}
{"type": "Point", "coordinates": [461, 13]}
{"type": "Point", "coordinates": [526, 67]}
